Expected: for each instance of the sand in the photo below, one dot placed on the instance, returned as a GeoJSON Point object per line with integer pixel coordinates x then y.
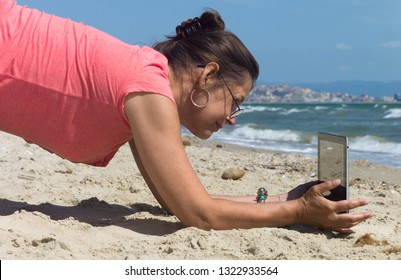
{"type": "Point", "coordinates": [53, 209]}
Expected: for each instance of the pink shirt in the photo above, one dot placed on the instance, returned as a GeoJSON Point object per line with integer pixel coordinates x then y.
{"type": "Point", "coordinates": [63, 84]}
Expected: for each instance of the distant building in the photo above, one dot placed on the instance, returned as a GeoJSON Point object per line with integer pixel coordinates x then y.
{"type": "Point", "coordinates": [290, 94]}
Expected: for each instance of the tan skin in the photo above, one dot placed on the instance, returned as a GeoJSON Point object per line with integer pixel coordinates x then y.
{"type": "Point", "coordinates": [157, 147]}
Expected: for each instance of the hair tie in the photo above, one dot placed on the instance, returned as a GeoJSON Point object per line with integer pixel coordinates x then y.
{"type": "Point", "coordinates": [187, 28]}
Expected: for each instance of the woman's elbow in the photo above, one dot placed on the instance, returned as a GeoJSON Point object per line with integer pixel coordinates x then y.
{"type": "Point", "coordinates": [205, 220]}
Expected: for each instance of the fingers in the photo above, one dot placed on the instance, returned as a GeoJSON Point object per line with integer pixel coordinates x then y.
{"type": "Point", "coordinates": [316, 210]}
{"type": "Point", "coordinates": [347, 205]}
{"type": "Point", "coordinates": [343, 230]}
{"type": "Point", "coordinates": [346, 221]}
{"type": "Point", "coordinates": [349, 220]}
{"type": "Point", "coordinates": [358, 218]}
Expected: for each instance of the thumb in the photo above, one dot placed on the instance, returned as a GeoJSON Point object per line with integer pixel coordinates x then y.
{"type": "Point", "coordinates": [328, 185]}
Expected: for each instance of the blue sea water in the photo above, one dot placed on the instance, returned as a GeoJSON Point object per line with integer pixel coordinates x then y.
{"type": "Point", "coordinates": [374, 130]}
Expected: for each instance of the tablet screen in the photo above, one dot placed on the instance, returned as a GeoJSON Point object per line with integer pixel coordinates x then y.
{"type": "Point", "coordinates": [333, 163]}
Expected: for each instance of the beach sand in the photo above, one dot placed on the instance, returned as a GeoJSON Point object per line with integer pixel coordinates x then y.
{"type": "Point", "coordinates": [52, 209]}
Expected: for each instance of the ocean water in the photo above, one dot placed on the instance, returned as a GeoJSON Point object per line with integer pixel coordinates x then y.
{"type": "Point", "coordinates": [374, 130]}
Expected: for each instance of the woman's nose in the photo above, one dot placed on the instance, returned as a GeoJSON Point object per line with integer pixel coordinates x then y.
{"type": "Point", "coordinates": [231, 121]}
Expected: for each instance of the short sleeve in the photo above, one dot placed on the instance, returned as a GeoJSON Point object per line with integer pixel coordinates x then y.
{"type": "Point", "coordinates": [150, 75]}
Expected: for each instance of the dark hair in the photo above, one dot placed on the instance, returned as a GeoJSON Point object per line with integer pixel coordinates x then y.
{"type": "Point", "coordinates": [205, 39]}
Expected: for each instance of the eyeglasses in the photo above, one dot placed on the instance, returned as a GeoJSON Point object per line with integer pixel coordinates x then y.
{"type": "Point", "coordinates": [238, 111]}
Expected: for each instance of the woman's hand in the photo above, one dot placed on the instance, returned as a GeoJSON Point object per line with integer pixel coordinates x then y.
{"type": "Point", "coordinates": [300, 190]}
{"type": "Point", "coordinates": [315, 209]}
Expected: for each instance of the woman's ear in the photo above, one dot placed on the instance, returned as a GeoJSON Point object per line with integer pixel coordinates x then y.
{"type": "Point", "coordinates": [209, 71]}
{"type": "Point", "coordinates": [212, 68]}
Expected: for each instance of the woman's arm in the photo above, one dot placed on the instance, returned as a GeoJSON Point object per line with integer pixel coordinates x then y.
{"type": "Point", "coordinates": [146, 176]}
{"type": "Point", "coordinates": [157, 133]}
{"type": "Point", "coordinates": [163, 162]}
{"type": "Point", "coordinates": [245, 199]}
{"type": "Point", "coordinates": [251, 198]}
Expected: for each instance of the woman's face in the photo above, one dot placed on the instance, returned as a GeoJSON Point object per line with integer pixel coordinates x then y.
{"type": "Point", "coordinates": [203, 122]}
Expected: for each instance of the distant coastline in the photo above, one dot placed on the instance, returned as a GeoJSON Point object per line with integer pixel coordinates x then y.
{"type": "Point", "coordinates": [262, 94]}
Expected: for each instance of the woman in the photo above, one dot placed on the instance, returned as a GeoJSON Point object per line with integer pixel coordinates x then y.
{"type": "Point", "coordinates": [82, 94]}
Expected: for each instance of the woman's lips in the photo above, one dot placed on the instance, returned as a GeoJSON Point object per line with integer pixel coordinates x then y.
{"type": "Point", "coordinates": [218, 126]}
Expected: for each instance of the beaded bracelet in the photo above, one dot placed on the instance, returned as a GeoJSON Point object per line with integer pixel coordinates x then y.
{"type": "Point", "coordinates": [261, 195]}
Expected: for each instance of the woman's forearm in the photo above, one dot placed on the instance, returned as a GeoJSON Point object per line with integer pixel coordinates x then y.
{"type": "Point", "coordinates": [229, 214]}
{"type": "Point", "coordinates": [250, 198]}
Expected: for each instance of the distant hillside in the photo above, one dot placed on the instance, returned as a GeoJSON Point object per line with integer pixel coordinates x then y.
{"type": "Point", "coordinates": [371, 88]}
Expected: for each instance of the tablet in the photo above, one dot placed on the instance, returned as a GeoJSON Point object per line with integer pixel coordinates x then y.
{"type": "Point", "coordinates": [333, 164]}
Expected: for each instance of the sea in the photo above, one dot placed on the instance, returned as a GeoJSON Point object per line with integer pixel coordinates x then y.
{"type": "Point", "coordinates": [373, 130]}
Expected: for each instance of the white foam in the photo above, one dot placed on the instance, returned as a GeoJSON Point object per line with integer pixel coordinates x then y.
{"type": "Point", "coordinates": [260, 108]}
{"type": "Point", "coordinates": [250, 109]}
{"type": "Point", "coordinates": [394, 113]}
{"type": "Point", "coordinates": [319, 108]}
{"type": "Point", "coordinates": [274, 109]}
{"type": "Point", "coordinates": [374, 145]}
{"type": "Point", "coordinates": [247, 132]}
{"type": "Point", "coordinates": [293, 111]}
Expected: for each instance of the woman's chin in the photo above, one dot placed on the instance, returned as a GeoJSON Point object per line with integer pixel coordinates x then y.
{"type": "Point", "coordinates": [204, 135]}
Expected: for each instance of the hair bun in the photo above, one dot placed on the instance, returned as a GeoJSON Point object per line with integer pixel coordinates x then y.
{"type": "Point", "coordinates": [212, 20]}
{"type": "Point", "coordinates": [209, 20]}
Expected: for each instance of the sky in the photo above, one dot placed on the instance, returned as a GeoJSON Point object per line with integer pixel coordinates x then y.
{"type": "Point", "coordinates": [294, 41]}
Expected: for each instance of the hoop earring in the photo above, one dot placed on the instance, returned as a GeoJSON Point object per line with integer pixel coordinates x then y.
{"type": "Point", "coordinates": [195, 91]}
